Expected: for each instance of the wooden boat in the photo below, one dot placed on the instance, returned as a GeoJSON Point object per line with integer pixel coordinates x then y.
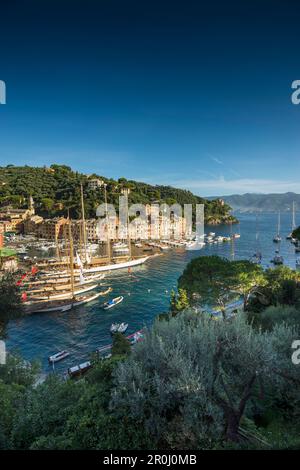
{"type": "Point", "coordinates": [64, 295]}
{"type": "Point", "coordinates": [58, 356]}
{"type": "Point", "coordinates": [63, 281]}
{"type": "Point", "coordinates": [80, 369]}
{"type": "Point", "coordinates": [113, 302]}
{"type": "Point", "coordinates": [59, 306]}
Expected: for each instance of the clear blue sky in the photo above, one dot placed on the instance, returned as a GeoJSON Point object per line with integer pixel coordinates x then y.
{"type": "Point", "coordinates": [164, 92]}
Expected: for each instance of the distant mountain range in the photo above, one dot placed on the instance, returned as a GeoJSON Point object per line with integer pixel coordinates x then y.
{"type": "Point", "coordinates": [251, 202]}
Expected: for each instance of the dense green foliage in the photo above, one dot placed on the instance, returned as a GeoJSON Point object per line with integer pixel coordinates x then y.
{"type": "Point", "coordinates": [10, 301]}
{"type": "Point", "coordinates": [57, 190]}
{"type": "Point", "coordinates": [193, 383]}
{"type": "Point", "coordinates": [214, 280]}
{"type": "Point", "coordinates": [296, 233]}
{"type": "Point", "coordinates": [193, 380]}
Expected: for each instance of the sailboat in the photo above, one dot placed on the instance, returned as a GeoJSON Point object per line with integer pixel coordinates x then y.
{"type": "Point", "coordinates": [290, 236]}
{"type": "Point", "coordinates": [48, 296]}
{"type": "Point", "coordinates": [62, 303]}
{"type": "Point", "coordinates": [278, 259]}
{"type": "Point", "coordinates": [257, 257]}
{"type": "Point", "coordinates": [277, 238]}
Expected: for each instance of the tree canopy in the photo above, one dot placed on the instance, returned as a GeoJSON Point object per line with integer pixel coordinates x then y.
{"type": "Point", "coordinates": [56, 190]}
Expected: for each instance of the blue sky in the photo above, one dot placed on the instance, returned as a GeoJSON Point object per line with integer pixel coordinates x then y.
{"type": "Point", "coordinates": [182, 94]}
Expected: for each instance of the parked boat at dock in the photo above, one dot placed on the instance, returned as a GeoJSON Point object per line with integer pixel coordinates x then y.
{"type": "Point", "coordinates": [79, 369]}
{"type": "Point", "coordinates": [58, 356]}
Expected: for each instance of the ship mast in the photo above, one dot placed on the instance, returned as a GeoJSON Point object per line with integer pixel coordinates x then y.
{"type": "Point", "coordinates": [107, 228]}
{"type": "Point", "coordinates": [293, 218]}
{"type": "Point", "coordinates": [71, 259]}
{"type": "Point", "coordinates": [128, 232]}
{"type": "Point", "coordinates": [232, 242]}
{"type": "Point", "coordinates": [83, 223]}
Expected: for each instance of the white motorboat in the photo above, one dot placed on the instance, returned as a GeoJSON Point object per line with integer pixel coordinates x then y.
{"type": "Point", "coordinates": [118, 327]}
{"type": "Point", "coordinates": [195, 245]}
{"type": "Point", "coordinates": [121, 249]}
{"type": "Point", "coordinates": [113, 302]}
{"type": "Point", "coordinates": [58, 356]}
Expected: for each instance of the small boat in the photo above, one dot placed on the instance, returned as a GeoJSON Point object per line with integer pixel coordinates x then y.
{"type": "Point", "coordinates": [113, 302]}
{"type": "Point", "coordinates": [277, 238]}
{"type": "Point", "coordinates": [236, 235]}
{"type": "Point", "coordinates": [133, 339]}
{"type": "Point", "coordinates": [290, 235]}
{"type": "Point", "coordinates": [58, 356]}
{"type": "Point", "coordinates": [164, 247]}
{"type": "Point", "coordinates": [118, 327]}
{"type": "Point", "coordinates": [196, 245]}
{"type": "Point", "coordinates": [120, 247]}
{"type": "Point", "coordinates": [256, 258]}
{"type": "Point", "coordinates": [277, 259]}
{"type": "Point", "coordinates": [121, 250]}
{"type": "Point", "coordinates": [80, 369]}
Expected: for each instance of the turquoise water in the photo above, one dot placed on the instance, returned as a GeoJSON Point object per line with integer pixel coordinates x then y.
{"type": "Point", "coordinates": [146, 293]}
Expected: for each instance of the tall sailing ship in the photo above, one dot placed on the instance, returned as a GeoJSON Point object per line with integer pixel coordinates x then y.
{"type": "Point", "coordinates": [49, 300]}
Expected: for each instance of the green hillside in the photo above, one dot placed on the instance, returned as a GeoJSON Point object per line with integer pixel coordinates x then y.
{"type": "Point", "coordinates": [56, 190]}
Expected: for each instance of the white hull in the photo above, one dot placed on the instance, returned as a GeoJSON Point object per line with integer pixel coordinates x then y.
{"type": "Point", "coordinates": [195, 246]}
{"type": "Point", "coordinates": [108, 267]}
{"type": "Point", "coordinates": [62, 308]}
{"type": "Point", "coordinates": [65, 296]}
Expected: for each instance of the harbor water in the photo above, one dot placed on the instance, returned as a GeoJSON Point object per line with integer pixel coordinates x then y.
{"type": "Point", "coordinates": [146, 290]}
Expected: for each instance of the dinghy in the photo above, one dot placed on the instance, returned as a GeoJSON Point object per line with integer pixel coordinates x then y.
{"type": "Point", "coordinates": [113, 302]}
{"type": "Point", "coordinates": [118, 327]}
{"type": "Point", "coordinates": [58, 356]}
